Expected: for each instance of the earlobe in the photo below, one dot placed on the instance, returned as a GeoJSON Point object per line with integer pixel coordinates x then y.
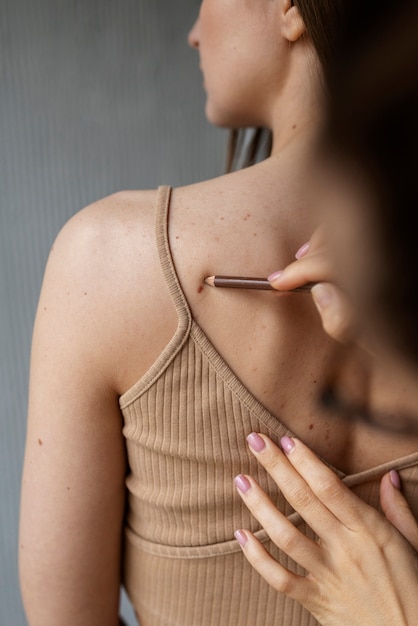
{"type": "Point", "coordinates": [293, 24]}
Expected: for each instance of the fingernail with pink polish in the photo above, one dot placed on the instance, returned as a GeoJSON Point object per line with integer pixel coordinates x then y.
{"type": "Point", "coordinates": [395, 479]}
{"type": "Point", "coordinates": [242, 483]}
{"type": "Point", "coordinates": [287, 444]}
{"type": "Point", "coordinates": [241, 537]}
{"type": "Point", "coordinates": [275, 276]}
{"type": "Point", "coordinates": [255, 442]}
{"type": "Point", "coordinates": [303, 250]}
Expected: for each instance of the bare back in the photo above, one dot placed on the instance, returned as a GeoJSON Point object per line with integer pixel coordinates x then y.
{"type": "Point", "coordinates": [105, 316]}
{"type": "Point", "coordinates": [251, 223]}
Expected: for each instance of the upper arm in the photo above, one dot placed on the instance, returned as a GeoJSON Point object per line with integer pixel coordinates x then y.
{"type": "Point", "coordinates": [73, 480]}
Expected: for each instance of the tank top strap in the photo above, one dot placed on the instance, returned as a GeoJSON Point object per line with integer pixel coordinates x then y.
{"type": "Point", "coordinates": [166, 259]}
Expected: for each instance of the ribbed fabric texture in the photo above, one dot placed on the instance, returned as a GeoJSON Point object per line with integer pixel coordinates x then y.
{"type": "Point", "coordinates": [185, 424]}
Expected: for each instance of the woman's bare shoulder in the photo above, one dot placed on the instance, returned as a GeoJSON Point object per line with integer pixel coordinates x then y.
{"type": "Point", "coordinates": [104, 235]}
{"type": "Point", "coordinates": [103, 281]}
{"type": "Point", "coordinates": [107, 217]}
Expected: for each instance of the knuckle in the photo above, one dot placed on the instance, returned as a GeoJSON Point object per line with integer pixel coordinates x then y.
{"type": "Point", "coordinates": [303, 499]}
{"type": "Point", "coordinates": [287, 541]}
{"type": "Point", "coordinates": [285, 584]}
{"type": "Point", "coordinates": [280, 579]}
{"type": "Point", "coordinates": [330, 489]}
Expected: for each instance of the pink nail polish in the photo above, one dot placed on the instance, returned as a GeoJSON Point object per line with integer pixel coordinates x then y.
{"type": "Point", "coordinates": [255, 442]}
{"type": "Point", "coordinates": [287, 444]}
{"type": "Point", "coordinates": [274, 276]}
{"type": "Point", "coordinates": [242, 483]}
{"type": "Point", "coordinates": [241, 537]}
{"type": "Point", "coordinates": [395, 479]}
{"type": "Point", "coordinates": [303, 250]}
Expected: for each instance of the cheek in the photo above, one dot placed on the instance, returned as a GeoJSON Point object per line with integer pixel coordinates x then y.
{"type": "Point", "coordinates": [240, 63]}
{"type": "Point", "coordinates": [213, 27]}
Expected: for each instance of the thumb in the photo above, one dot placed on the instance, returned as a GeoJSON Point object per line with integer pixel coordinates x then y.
{"type": "Point", "coordinates": [335, 311]}
{"type": "Point", "coordinates": [396, 508]}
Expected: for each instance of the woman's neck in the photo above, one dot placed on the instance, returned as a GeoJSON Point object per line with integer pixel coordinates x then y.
{"type": "Point", "coordinates": [297, 111]}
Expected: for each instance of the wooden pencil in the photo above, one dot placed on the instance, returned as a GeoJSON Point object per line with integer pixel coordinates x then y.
{"type": "Point", "coordinates": [246, 282]}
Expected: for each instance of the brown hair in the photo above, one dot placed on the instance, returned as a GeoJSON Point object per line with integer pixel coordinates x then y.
{"type": "Point", "coordinates": [322, 19]}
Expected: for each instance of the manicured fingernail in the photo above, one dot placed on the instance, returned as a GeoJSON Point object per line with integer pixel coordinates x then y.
{"type": "Point", "coordinates": [242, 483]}
{"type": "Point", "coordinates": [303, 250]}
{"type": "Point", "coordinates": [256, 442]}
{"type": "Point", "coordinates": [241, 537]}
{"type": "Point", "coordinates": [287, 444]}
{"type": "Point", "coordinates": [395, 479]}
{"type": "Point", "coordinates": [274, 276]}
{"type": "Point", "coordinates": [322, 295]}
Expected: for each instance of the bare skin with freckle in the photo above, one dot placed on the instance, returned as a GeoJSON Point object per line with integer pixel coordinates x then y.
{"type": "Point", "coordinates": [106, 317]}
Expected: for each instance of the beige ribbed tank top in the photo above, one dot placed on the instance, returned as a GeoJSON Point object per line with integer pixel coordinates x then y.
{"type": "Point", "coordinates": [185, 425]}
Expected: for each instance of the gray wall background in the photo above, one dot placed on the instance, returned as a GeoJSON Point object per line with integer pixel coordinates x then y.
{"type": "Point", "coordinates": [96, 96]}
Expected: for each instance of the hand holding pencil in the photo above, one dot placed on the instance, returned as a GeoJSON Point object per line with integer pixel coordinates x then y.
{"type": "Point", "coordinates": [312, 266]}
{"type": "Point", "coordinates": [310, 273]}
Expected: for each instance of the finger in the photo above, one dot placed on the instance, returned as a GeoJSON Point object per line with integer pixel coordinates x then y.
{"type": "Point", "coordinates": [335, 310]}
{"type": "Point", "coordinates": [316, 242]}
{"type": "Point", "coordinates": [311, 268]}
{"type": "Point", "coordinates": [280, 530]}
{"type": "Point", "coordinates": [396, 508]}
{"type": "Point", "coordinates": [297, 274]}
{"type": "Point", "coordinates": [328, 501]}
{"type": "Point", "coordinates": [295, 487]}
{"type": "Point", "coordinates": [299, 588]}
{"type": "Point", "coordinates": [318, 239]}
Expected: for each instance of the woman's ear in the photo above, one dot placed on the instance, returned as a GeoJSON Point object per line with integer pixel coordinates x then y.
{"type": "Point", "coordinates": [293, 26]}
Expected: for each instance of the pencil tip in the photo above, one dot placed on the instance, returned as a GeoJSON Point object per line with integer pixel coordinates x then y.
{"type": "Point", "coordinates": [210, 280]}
